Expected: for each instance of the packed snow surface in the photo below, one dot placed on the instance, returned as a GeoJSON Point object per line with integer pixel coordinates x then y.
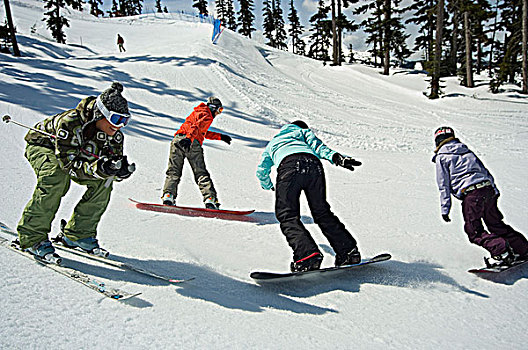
{"type": "Point", "coordinates": [421, 299]}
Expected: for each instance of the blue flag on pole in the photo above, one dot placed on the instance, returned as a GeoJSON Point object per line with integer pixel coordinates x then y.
{"type": "Point", "coordinates": [217, 30]}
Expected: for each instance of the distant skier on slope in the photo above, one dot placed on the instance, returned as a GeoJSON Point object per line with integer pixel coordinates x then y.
{"type": "Point", "coordinates": [296, 151]}
{"type": "Point", "coordinates": [187, 144]}
{"type": "Point", "coordinates": [459, 172]}
{"type": "Point", "coordinates": [121, 43]}
{"type": "Point", "coordinates": [87, 148]}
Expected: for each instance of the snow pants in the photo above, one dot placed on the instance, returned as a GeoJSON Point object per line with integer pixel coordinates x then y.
{"type": "Point", "coordinates": [195, 156]}
{"type": "Point", "coordinates": [304, 172]}
{"type": "Point", "coordinates": [52, 184]}
{"type": "Point", "coordinates": [481, 205]}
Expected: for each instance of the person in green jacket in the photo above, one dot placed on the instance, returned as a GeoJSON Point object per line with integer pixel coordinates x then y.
{"type": "Point", "coordinates": [84, 145]}
{"type": "Point", "coordinates": [296, 151]}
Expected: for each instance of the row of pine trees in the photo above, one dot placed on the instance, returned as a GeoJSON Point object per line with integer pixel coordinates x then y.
{"type": "Point", "coordinates": [455, 37]}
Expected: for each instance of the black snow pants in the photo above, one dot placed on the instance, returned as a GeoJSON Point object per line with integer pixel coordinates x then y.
{"type": "Point", "coordinates": [304, 172]}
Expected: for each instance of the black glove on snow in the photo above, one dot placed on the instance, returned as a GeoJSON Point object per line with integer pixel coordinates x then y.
{"type": "Point", "coordinates": [225, 138]}
{"type": "Point", "coordinates": [126, 169]}
{"type": "Point", "coordinates": [446, 217]}
{"type": "Point", "coordinates": [185, 144]}
{"type": "Point", "coordinates": [109, 166]}
{"type": "Point", "coordinates": [346, 162]}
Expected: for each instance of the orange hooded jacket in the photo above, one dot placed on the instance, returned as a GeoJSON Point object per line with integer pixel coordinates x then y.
{"type": "Point", "coordinates": [197, 123]}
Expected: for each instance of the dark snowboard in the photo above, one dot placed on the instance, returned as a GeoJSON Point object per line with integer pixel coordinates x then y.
{"type": "Point", "coordinates": [497, 269]}
{"type": "Point", "coordinates": [274, 276]}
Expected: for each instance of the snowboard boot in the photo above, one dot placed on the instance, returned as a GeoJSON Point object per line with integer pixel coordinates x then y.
{"type": "Point", "coordinates": [168, 199]}
{"type": "Point", "coordinates": [505, 259]}
{"type": "Point", "coordinates": [212, 203]}
{"type": "Point", "coordinates": [44, 251]}
{"type": "Point", "coordinates": [350, 258]}
{"type": "Point", "coordinates": [311, 262]}
{"type": "Point", "coordinates": [88, 244]}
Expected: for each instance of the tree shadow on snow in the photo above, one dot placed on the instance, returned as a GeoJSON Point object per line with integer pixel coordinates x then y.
{"type": "Point", "coordinates": [208, 285]}
{"type": "Point", "coordinates": [390, 273]}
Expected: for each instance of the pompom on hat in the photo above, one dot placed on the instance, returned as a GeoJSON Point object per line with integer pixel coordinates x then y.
{"type": "Point", "coordinates": [113, 100]}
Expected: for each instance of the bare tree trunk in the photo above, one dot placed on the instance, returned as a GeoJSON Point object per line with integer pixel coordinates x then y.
{"type": "Point", "coordinates": [386, 37]}
{"type": "Point", "coordinates": [490, 63]}
{"type": "Point", "coordinates": [335, 55]}
{"type": "Point", "coordinates": [454, 41]}
{"type": "Point", "coordinates": [11, 26]}
{"type": "Point", "coordinates": [524, 42]}
{"type": "Point", "coordinates": [435, 81]}
{"type": "Point", "coordinates": [469, 58]}
{"type": "Point", "coordinates": [339, 33]}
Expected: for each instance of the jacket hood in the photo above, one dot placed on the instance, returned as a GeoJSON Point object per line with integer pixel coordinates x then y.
{"type": "Point", "coordinates": [85, 108]}
{"type": "Point", "coordinates": [203, 107]}
{"type": "Point", "coordinates": [451, 146]}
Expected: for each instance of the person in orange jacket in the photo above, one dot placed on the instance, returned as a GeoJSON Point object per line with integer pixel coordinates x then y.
{"type": "Point", "coordinates": [187, 144]}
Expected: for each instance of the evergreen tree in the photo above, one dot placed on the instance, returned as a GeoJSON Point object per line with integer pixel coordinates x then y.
{"type": "Point", "coordinates": [158, 6]}
{"type": "Point", "coordinates": [55, 21]}
{"type": "Point", "coordinates": [508, 58]}
{"type": "Point", "coordinates": [113, 12]}
{"type": "Point", "coordinates": [295, 30]}
{"type": "Point", "coordinates": [424, 17]}
{"type": "Point", "coordinates": [230, 15]}
{"type": "Point", "coordinates": [221, 10]}
{"type": "Point", "coordinates": [94, 7]}
{"type": "Point", "coordinates": [280, 32]}
{"type": "Point", "coordinates": [321, 33]}
{"type": "Point", "coordinates": [268, 23]}
{"type": "Point", "coordinates": [246, 18]}
{"type": "Point", "coordinates": [201, 6]}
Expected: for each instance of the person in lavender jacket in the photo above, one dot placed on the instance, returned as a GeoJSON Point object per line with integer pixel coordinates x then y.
{"type": "Point", "coordinates": [459, 172]}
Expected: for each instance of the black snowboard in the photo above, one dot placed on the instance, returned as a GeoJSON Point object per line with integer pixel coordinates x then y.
{"type": "Point", "coordinates": [497, 269]}
{"type": "Point", "coordinates": [277, 276]}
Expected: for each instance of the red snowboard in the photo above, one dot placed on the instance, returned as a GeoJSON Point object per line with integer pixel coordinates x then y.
{"type": "Point", "coordinates": [190, 211]}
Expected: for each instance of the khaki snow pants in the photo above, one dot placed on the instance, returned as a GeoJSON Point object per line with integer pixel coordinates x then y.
{"type": "Point", "coordinates": [52, 184]}
{"type": "Point", "coordinates": [195, 156]}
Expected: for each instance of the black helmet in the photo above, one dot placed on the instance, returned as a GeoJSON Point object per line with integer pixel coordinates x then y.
{"type": "Point", "coordinates": [300, 124]}
{"type": "Point", "coordinates": [443, 133]}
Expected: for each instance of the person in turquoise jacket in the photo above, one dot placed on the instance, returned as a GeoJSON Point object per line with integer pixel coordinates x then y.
{"type": "Point", "coordinates": [296, 152]}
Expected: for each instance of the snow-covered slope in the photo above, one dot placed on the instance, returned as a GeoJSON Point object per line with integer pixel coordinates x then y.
{"type": "Point", "coordinates": [422, 298]}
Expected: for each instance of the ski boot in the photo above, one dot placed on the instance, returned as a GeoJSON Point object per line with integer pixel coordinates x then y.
{"type": "Point", "coordinates": [44, 251]}
{"type": "Point", "coordinates": [212, 203]}
{"type": "Point", "coordinates": [311, 262]}
{"type": "Point", "coordinates": [350, 258]}
{"type": "Point", "coordinates": [168, 199]}
{"type": "Point", "coordinates": [89, 245]}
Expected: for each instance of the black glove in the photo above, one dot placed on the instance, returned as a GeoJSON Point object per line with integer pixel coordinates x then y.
{"type": "Point", "coordinates": [346, 162]}
{"type": "Point", "coordinates": [109, 166]}
{"type": "Point", "coordinates": [225, 138]}
{"type": "Point", "coordinates": [185, 144]}
{"type": "Point", "coordinates": [126, 169]}
{"type": "Point", "coordinates": [446, 217]}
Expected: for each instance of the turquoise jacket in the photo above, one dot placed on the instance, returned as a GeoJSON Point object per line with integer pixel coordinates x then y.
{"type": "Point", "coordinates": [291, 139]}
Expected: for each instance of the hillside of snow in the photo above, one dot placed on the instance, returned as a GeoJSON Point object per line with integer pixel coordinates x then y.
{"type": "Point", "coordinates": [421, 299]}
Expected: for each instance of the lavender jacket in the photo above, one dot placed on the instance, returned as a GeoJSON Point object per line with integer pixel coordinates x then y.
{"type": "Point", "coordinates": [457, 167]}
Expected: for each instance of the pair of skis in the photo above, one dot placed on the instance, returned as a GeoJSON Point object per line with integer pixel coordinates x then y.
{"type": "Point", "coordinates": [82, 278]}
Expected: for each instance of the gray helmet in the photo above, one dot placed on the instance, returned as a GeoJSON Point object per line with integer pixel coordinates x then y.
{"type": "Point", "coordinates": [214, 103]}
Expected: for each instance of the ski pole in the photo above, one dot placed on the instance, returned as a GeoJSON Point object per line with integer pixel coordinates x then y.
{"type": "Point", "coordinates": [8, 119]}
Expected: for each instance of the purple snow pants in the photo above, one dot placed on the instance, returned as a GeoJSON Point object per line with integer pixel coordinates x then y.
{"type": "Point", "coordinates": [481, 205]}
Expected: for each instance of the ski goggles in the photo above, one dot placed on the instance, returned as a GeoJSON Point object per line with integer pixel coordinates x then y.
{"type": "Point", "coordinates": [220, 110]}
{"type": "Point", "coordinates": [116, 119]}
